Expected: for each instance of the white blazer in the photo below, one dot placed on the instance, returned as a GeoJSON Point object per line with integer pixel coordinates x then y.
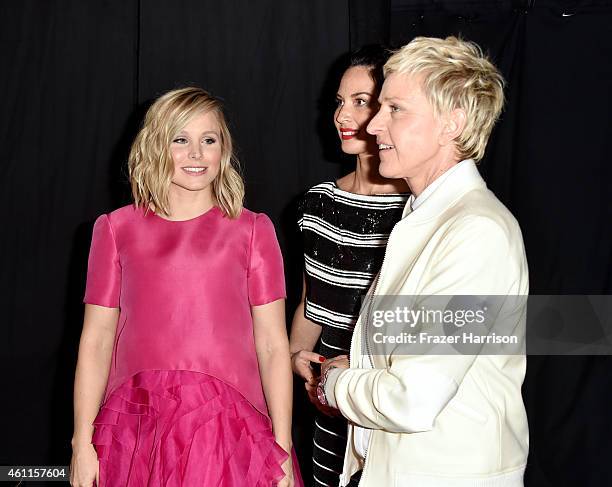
{"type": "Point", "coordinates": [442, 420]}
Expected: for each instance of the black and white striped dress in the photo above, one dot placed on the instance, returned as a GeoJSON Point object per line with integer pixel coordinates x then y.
{"type": "Point", "coordinates": [345, 236]}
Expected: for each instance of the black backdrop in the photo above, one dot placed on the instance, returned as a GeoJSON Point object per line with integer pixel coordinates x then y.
{"type": "Point", "coordinates": [78, 76]}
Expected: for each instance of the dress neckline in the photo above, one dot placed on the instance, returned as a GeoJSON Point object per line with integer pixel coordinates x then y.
{"type": "Point", "coordinates": [212, 210]}
{"type": "Point", "coordinates": [357, 195]}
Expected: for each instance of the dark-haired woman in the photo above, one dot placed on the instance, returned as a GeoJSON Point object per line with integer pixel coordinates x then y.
{"type": "Point", "coordinates": [345, 225]}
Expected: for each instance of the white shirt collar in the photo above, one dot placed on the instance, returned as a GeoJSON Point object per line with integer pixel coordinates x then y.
{"type": "Point", "coordinates": [418, 201]}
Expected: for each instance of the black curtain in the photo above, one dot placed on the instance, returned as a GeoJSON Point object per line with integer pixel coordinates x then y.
{"type": "Point", "coordinates": [79, 75]}
{"type": "Point", "coordinates": [548, 162]}
{"type": "Point", "coordinates": [77, 79]}
{"type": "Point", "coordinates": [68, 87]}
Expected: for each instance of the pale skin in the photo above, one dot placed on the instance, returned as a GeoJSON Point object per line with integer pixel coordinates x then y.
{"type": "Point", "coordinates": [196, 146]}
{"type": "Point", "coordinates": [95, 351]}
{"type": "Point", "coordinates": [418, 144]}
{"type": "Point", "coordinates": [356, 105]}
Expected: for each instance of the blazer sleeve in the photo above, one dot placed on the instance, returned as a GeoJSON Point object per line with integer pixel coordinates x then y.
{"type": "Point", "coordinates": [480, 257]}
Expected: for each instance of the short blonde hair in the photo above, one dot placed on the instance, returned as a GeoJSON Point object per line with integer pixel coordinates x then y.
{"type": "Point", "coordinates": [150, 163]}
{"type": "Point", "coordinates": [455, 74]}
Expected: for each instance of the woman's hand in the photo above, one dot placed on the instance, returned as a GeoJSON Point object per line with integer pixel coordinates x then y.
{"type": "Point", "coordinates": [300, 364]}
{"type": "Point", "coordinates": [287, 480]}
{"type": "Point", "coordinates": [341, 362]}
{"type": "Point", "coordinates": [84, 466]}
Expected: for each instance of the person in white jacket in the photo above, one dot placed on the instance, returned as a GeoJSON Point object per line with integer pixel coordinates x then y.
{"type": "Point", "coordinates": [438, 419]}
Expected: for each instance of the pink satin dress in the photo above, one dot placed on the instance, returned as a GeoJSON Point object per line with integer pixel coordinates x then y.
{"type": "Point", "coordinates": [184, 404]}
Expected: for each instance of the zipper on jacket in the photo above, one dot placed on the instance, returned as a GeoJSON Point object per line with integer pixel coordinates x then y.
{"type": "Point", "coordinates": [375, 291]}
{"type": "Point", "coordinates": [369, 353]}
{"type": "Point", "coordinates": [369, 316]}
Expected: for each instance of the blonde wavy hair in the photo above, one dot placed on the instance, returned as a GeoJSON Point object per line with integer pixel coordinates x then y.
{"type": "Point", "coordinates": [455, 74]}
{"type": "Point", "coordinates": [150, 163]}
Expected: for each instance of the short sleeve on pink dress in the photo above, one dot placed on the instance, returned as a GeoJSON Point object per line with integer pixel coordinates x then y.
{"type": "Point", "coordinates": [104, 270]}
{"type": "Point", "coordinates": [266, 278]}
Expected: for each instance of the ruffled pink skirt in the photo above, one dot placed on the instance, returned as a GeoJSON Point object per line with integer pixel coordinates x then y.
{"type": "Point", "coordinates": [182, 428]}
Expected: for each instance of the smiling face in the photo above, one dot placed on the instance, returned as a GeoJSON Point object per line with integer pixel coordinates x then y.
{"type": "Point", "coordinates": [196, 152]}
{"type": "Point", "coordinates": [356, 104]}
{"type": "Point", "coordinates": [409, 134]}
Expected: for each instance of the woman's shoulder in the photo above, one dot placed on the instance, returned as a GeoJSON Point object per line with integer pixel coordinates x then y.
{"type": "Point", "coordinates": [321, 193]}
{"type": "Point", "coordinates": [250, 217]}
{"type": "Point", "coordinates": [482, 207]}
{"type": "Point", "coordinates": [317, 200]}
{"type": "Point", "coordinates": [254, 220]}
{"type": "Point", "coordinates": [116, 221]}
{"type": "Point", "coordinates": [111, 226]}
{"type": "Point", "coordinates": [125, 214]}
{"type": "Point", "coordinates": [127, 211]}
{"type": "Point", "coordinates": [325, 188]}
{"type": "Point", "coordinates": [256, 226]}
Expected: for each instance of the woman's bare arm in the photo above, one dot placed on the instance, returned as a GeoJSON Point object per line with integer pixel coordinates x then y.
{"type": "Point", "coordinates": [95, 351]}
{"type": "Point", "coordinates": [272, 346]}
{"type": "Point", "coordinates": [304, 336]}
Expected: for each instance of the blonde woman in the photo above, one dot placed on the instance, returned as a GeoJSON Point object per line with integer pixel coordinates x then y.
{"type": "Point", "coordinates": [183, 376]}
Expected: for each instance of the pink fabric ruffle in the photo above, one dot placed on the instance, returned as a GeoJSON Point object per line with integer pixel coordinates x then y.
{"type": "Point", "coordinates": [182, 428]}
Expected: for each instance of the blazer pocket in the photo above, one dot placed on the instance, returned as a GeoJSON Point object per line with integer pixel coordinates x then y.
{"type": "Point", "coordinates": [468, 412]}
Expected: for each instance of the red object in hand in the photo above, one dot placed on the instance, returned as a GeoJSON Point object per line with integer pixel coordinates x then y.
{"type": "Point", "coordinates": [322, 359]}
